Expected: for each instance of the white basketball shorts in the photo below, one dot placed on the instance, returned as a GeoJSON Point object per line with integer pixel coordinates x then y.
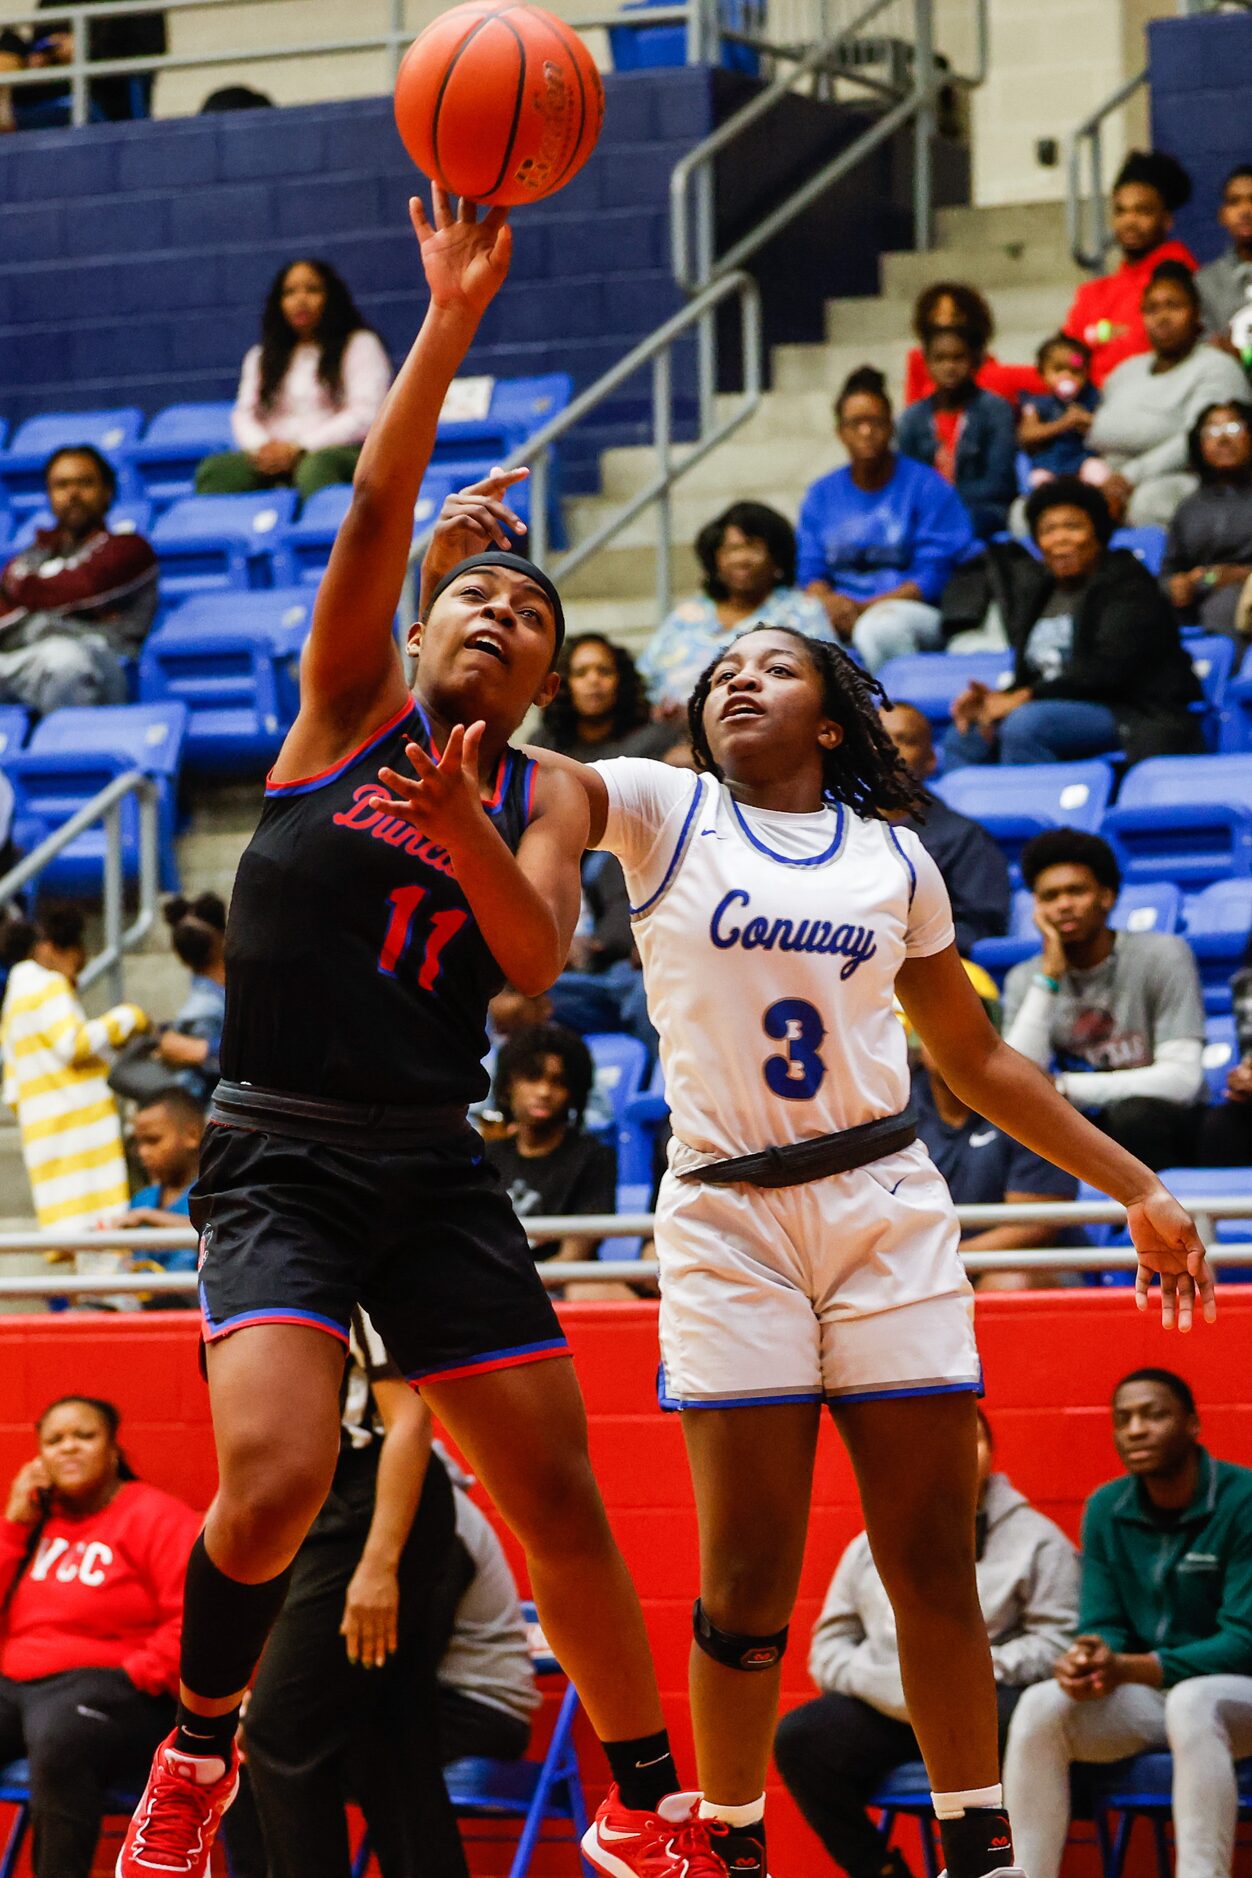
{"type": "Point", "coordinates": [836, 1290]}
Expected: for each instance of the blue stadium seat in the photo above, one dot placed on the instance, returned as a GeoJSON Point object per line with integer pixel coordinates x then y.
{"type": "Point", "coordinates": [1184, 818]}
{"type": "Point", "coordinates": [22, 464]}
{"type": "Point", "coordinates": [14, 724]}
{"type": "Point", "coordinates": [1017, 800]}
{"type": "Point", "coordinates": [71, 756]}
{"type": "Point", "coordinates": [621, 1063]}
{"type": "Point", "coordinates": [1146, 544]}
{"type": "Point", "coordinates": [176, 440]}
{"type": "Point", "coordinates": [234, 660]}
{"type": "Point", "coordinates": [304, 549]}
{"type": "Point", "coordinates": [1212, 658]}
{"type": "Point", "coordinates": [1218, 927]}
{"type": "Point", "coordinates": [632, 1197]}
{"type": "Point", "coordinates": [646, 1113]}
{"type": "Point", "coordinates": [644, 48]}
{"type": "Point", "coordinates": [518, 407]}
{"type": "Point", "coordinates": [930, 680]}
{"type": "Point", "coordinates": [207, 543]}
{"type": "Point", "coordinates": [1236, 730]}
{"type": "Point", "coordinates": [1221, 1053]}
{"type": "Point", "coordinates": [1155, 906]}
{"type": "Point", "coordinates": [124, 518]}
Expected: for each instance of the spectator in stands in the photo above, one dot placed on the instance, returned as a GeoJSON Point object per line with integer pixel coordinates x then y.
{"type": "Point", "coordinates": [1098, 663]}
{"type": "Point", "coordinates": [1224, 1134]}
{"type": "Point", "coordinates": [1054, 424]}
{"type": "Point", "coordinates": [985, 1167]}
{"type": "Point", "coordinates": [80, 599]}
{"type": "Point", "coordinates": [166, 1134]}
{"type": "Point", "coordinates": [601, 709]}
{"type": "Point", "coordinates": [833, 1752]}
{"type": "Point", "coordinates": [55, 1072]}
{"type": "Point", "coordinates": [1208, 557]}
{"type": "Point", "coordinates": [953, 303]}
{"type": "Point", "coordinates": [1107, 313]}
{"type": "Point", "coordinates": [1152, 400]}
{"type": "Point", "coordinates": [1164, 1652]}
{"type": "Point", "coordinates": [748, 554]}
{"type": "Point", "coordinates": [1226, 283]}
{"type": "Point", "coordinates": [967, 434]}
{"type": "Point", "coordinates": [973, 866]}
{"type": "Point", "coordinates": [546, 1162]}
{"type": "Point", "coordinates": [91, 1579]}
{"type": "Point", "coordinates": [309, 391]}
{"type": "Point", "coordinates": [51, 43]}
{"type": "Point", "coordinates": [1116, 1018]}
{"type": "Point", "coordinates": [879, 539]}
{"type": "Point", "coordinates": [190, 1045]}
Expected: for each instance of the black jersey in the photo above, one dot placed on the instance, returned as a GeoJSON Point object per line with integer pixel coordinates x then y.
{"type": "Point", "coordinates": [354, 966]}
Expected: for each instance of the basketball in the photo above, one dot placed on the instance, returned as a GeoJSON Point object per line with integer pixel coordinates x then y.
{"type": "Point", "coordinates": [500, 104]}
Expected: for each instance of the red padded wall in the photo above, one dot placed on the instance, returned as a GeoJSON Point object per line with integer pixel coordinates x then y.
{"type": "Point", "coordinates": [1051, 1361]}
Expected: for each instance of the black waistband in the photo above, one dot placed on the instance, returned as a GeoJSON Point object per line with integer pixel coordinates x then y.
{"type": "Point", "coordinates": [798, 1161]}
{"type": "Point", "coordinates": [243, 1105]}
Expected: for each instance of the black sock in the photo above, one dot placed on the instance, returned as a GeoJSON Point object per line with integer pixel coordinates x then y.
{"type": "Point", "coordinates": [742, 1849]}
{"type": "Point", "coordinates": [981, 1841]}
{"type": "Point", "coordinates": [225, 1624]}
{"type": "Point", "coordinates": [206, 1734]}
{"type": "Point", "coordinates": [644, 1770]}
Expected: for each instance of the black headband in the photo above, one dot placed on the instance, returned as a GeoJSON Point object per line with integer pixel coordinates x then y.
{"type": "Point", "coordinates": [497, 557]}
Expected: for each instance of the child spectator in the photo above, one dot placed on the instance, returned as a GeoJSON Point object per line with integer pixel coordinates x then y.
{"type": "Point", "coordinates": [878, 540]}
{"type": "Point", "coordinates": [1226, 283]}
{"type": "Point", "coordinates": [92, 1562]}
{"type": "Point", "coordinates": [167, 1133]}
{"type": "Point", "coordinates": [309, 391]}
{"type": "Point", "coordinates": [55, 1073]}
{"type": "Point", "coordinates": [748, 554]}
{"type": "Point", "coordinates": [1106, 313]}
{"type": "Point", "coordinates": [191, 1043]}
{"type": "Point", "coordinates": [547, 1164]}
{"type": "Point", "coordinates": [1208, 557]}
{"type": "Point", "coordinates": [1163, 1658]}
{"type": "Point", "coordinates": [953, 303]}
{"type": "Point", "coordinates": [965, 433]}
{"type": "Point", "coordinates": [1054, 424]}
{"type": "Point", "coordinates": [601, 709]}
{"type": "Point", "coordinates": [1115, 1018]}
{"type": "Point", "coordinates": [80, 600]}
{"type": "Point", "coordinates": [834, 1752]}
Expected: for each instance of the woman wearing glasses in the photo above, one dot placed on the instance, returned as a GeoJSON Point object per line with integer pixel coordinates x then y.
{"type": "Point", "coordinates": [1208, 558]}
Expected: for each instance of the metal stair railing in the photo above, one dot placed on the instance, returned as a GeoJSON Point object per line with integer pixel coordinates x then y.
{"type": "Point", "coordinates": [106, 807]}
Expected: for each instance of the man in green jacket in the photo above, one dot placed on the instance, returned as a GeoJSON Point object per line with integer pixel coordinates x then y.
{"type": "Point", "coordinates": [1164, 1652]}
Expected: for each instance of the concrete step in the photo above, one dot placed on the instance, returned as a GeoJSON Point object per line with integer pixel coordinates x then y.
{"type": "Point", "coordinates": [1031, 308]}
{"type": "Point", "coordinates": [993, 268]}
{"type": "Point", "coordinates": [780, 459]}
{"type": "Point", "coordinates": [1001, 224]}
{"type": "Point", "coordinates": [626, 571]}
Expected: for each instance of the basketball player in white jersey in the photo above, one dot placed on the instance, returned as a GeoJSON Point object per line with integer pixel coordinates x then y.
{"type": "Point", "coordinates": [808, 1246]}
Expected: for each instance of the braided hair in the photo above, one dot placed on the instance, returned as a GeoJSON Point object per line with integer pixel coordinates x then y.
{"type": "Point", "coordinates": [864, 771]}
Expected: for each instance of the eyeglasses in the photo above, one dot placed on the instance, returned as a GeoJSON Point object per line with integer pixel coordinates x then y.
{"type": "Point", "coordinates": [1233, 427]}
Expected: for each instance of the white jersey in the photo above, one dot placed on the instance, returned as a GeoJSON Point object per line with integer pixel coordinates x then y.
{"type": "Point", "coordinates": [770, 946]}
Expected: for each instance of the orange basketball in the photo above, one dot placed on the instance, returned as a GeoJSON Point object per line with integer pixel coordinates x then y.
{"type": "Point", "coordinates": [499, 103]}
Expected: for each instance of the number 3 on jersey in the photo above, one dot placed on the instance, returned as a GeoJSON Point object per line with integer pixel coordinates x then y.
{"type": "Point", "coordinates": [801, 1072]}
{"type": "Point", "coordinates": [404, 903]}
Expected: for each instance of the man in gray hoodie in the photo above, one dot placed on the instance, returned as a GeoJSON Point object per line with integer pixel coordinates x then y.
{"type": "Point", "coordinates": [833, 1752]}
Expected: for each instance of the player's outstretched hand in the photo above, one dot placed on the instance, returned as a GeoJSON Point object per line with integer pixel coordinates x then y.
{"type": "Point", "coordinates": [466, 261]}
{"type": "Point", "coordinates": [443, 799]}
{"type": "Point", "coordinates": [1165, 1237]}
{"type": "Point", "coordinates": [477, 519]}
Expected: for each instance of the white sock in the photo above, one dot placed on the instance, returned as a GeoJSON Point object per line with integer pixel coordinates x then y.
{"type": "Point", "coordinates": [749, 1815]}
{"type": "Point", "coordinates": [956, 1805]}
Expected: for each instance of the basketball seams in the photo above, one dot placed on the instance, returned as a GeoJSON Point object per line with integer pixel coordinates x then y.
{"type": "Point", "coordinates": [488, 19]}
{"type": "Point", "coordinates": [575, 61]}
{"type": "Point", "coordinates": [506, 160]}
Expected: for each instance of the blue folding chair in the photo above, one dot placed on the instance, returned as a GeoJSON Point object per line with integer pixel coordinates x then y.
{"type": "Point", "coordinates": [1155, 906]}
{"type": "Point", "coordinates": [1146, 544]}
{"type": "Point", "coordinates": [1218, 922]}
{"type": "Point", "coordinates": [208, 543]}
{"type": "Point", "coordinates": [1220, 1054]}
{"type": "Point", "coordinates": [905, 1792]}
{"type": "Point", "coordinates": [22, 464]}
{"type": "Point", "coordinates": [1236, 731]}
{"type": "Point", "coordinates": [14, 724]}
{"type": "Point", "coordinates": [124, 518]}
{"type": "Point", "coordinates": [72, 755]}
{"type": "Point", "coordinates": [1212, 658]}
{"type": "Point", "coordinates": [1184, 818]}
{"type": "Point", "coordinates": [1142, 1788]}
{"type": "Point", "coordinates": [178, 438]}
{"type": "Point", "coordinates": [931, 680]}
{"type": "Point", "coordinates": [1019, 800]}
{"type": "Point", "coordinates": [534, 1792]}
{"type": "Point", "coordinates": [234, 660]}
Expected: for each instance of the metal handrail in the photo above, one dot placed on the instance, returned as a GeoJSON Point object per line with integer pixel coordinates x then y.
{"type": "Point", "coordinates": [1081, 209]}
{"type": "Point", "coordinates": [106, 807]}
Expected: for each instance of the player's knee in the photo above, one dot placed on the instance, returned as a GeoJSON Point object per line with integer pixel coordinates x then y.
{"type": "Point", "coordinates": [742, 1592]}
{"type": "Point", "coordinates": [927, 1563]}
{"type": "Point", "coordinates": [265, 1504]}
{"type": "Point", "coordinates": [557, 1509]}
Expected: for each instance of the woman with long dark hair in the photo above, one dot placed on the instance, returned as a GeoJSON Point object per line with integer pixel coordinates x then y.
{"type": "Point", "coordinates": [601, 709]}
{"type": "Point", "coordinates": [91, 1569]}
{"type": "Point", "coordinates": [309, 391]}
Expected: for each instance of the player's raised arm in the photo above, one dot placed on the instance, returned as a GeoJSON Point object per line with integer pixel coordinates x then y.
{"type": "Point", "coordinates": [351, 674]}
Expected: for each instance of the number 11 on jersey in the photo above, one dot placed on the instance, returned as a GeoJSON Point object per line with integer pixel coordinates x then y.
{"type": "Point", "coordinates": [404, 903]}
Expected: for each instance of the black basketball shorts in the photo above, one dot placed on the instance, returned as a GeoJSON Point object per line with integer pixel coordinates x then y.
{"type": "Point", "coordinates": [299, 1227]}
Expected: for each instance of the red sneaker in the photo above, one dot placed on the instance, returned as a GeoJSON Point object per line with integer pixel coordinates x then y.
{"type": "Point", "coordinates": [673, 1842]}
{"type": "Point", "coordinates": [177, 1819]}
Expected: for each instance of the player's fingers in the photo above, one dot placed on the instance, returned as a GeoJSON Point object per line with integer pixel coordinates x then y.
{"type": "Point", "coordinates": [441, 205]}
{"type": "Point", "coordinates": [451, 760]}
{"type": "Point", "coordinates": [403, 786]}
{"type": "Point", "coordinates": [1169, 1299]}
{"type": "Point", "coordinates": [1202, 1277]}
{"type": "Point", "coordinates": [472, 743]}
{"type": "Point", "coordinates": [502, 246]}
{"type": "Point", "coordinates": [495, 220]}
{"type": "Point", "coordinates": [419, 218]}
{"type": "Point", "coordinates": [1143, 1285]}
{"type": "Point", "coordinates": [421, 762]}
{"type": "Point", "coordinates": [467, 211]}
{"type": "Point", "coordinates": [496, 482]}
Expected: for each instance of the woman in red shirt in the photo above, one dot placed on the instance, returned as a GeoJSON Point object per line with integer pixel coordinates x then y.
{"type": "Point", "coordinates": [91, 1576]}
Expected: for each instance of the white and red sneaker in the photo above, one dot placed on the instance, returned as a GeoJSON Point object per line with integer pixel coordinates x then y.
{"type": "Point", "coordinates": [673, 1842]}
{"type": "Point", "coordinates": [176, 1821]}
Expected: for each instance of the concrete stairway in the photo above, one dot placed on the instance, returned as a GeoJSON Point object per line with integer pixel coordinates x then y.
{"type": "Point", "coordinates": [1016, 255]}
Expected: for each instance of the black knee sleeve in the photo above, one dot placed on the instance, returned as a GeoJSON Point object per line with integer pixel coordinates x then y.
{"type": "Point", "coordinates": [733, 1650]}
{"type": "Point", "coordinates": [225, 1625]}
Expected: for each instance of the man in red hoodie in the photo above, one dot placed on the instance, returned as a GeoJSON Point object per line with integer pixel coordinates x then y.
{"type": "Point", "coordinates": [1150, 187]}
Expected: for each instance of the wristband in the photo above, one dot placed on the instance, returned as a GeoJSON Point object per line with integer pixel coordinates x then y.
{"type": "Point", "coordinates": [1045, 983]}
{"type": "Point", "coordinates": [1209, 577]}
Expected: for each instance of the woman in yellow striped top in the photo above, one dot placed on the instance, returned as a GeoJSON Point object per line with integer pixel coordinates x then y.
{"type": "Point", "coordinates": [55, 1072]}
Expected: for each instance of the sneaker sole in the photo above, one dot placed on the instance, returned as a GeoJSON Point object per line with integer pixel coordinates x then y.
{"type": "Point", "coordinates": [602, 1860]}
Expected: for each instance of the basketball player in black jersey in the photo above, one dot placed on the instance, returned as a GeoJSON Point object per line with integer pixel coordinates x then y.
{"type": "Point", "coordinates": [339, 1166]}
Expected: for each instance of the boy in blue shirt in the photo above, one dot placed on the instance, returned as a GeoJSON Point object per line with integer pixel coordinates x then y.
{"type": "Point", "coordinates": [167, 1133]}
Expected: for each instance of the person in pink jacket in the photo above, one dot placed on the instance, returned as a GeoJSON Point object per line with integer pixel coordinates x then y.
{"type": "Point", "coordinates": [92, 1563]}
{"type": "Point", "coordinates": [308, 392]}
